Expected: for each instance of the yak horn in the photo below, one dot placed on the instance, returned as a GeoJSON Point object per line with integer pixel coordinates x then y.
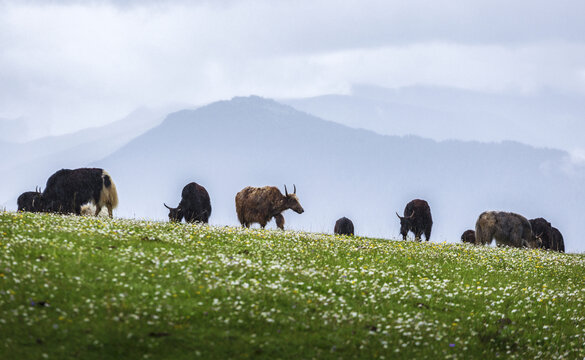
{"type": "Point", "coordinates": [294, 189]}
{"type": "Point", "coordinates": [398, 215]}
{"type": "Point", "coordinates": [411, 215]}
{"type": "Point", "coordinates": [167, 206]}
{"type": "Point", "coordinates": [285, 191]}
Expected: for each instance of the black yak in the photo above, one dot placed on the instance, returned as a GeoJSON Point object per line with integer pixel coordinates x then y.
{"type": "Point", "coordinates": [194, 206]}
{"type": "Point", "coordinates": [417, 218]}
{"type": "Point", "coordinates": [558, 243]}
{"type": "Point", "coordinates": [30, 201]}
{"type": "Point", "coordinates": [259, 205]}
{"type": "Point", "coordinates": [543, 230]}
{"type": "Point", "coordinates": [343, 226]}
{"type": "Point", "coordinates": [67, 190]}
{"type": "Point", "coordinates": [507, 228]}
{"type": "Point", "coordinates": [468, 236]}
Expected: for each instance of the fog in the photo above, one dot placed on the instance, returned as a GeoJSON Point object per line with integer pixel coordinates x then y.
{"type": "Point", "coordinates": [67, 65]}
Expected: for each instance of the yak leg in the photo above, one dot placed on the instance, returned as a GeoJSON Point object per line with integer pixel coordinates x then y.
{"type": "Point", "coordinates": [279, 221]}
{"type": "Point", "coordinates": [98, 209]}
{"type": "Point", "coordinates": [110, 212]}
{"type": "Point", "coordinates": [418, 235]}
{"type": "Point", "coordinates": [428, 234]}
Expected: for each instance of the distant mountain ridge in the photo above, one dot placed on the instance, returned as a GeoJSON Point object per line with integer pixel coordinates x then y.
{"type": "Point", "coordinates": [456, 114]}
{"type": "Point", "coordinates": [339, 171]}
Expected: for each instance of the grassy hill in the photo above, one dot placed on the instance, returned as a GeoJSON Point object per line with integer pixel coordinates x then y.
{"type": "Point", "coordinates": [75, 287]}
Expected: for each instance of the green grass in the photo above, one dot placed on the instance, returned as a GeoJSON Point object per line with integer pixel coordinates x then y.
{"type": "Point", "coordinates": [76, 287]}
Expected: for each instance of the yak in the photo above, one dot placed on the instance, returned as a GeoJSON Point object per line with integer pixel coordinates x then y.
{"type": "Point", "coordinates": [194, 206]}
{"type": "Point", "coordinates": [68, 190]}
{"type": "Point", "coordinates": [507, 228]}
{"type": "Point", "coordinates": [558, 243]}
{"type": "Point", "coordinates": [30, 201]}
{"type": "Point", "coordinates": [260, 204]}
{"type": "Point", "coordinates": [543, 228]}
{"type": "Point", "coordinates": [417, 218]}
{"type": "Point", "coordinates": [343, 226]}
{"type": "Point", "coordinates": [468, 236]}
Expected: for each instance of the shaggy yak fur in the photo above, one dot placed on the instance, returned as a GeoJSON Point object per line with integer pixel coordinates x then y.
{"type": "Point", "coordinates": [468, 236]}
{"type": "Point", "coordinates": [30, 201]}
{"type": "Point", "coordinates": [417, 218]}
{"type": "Point", "coordinates": [259, 205]}
{"type": "Point", "coordinates": [508, 228]}
{"type": "Point", "coordinates": [343, 226]}
{"type": "Point", "coordinates": [558, 241]}
{"type": "Point", "coordinates": [542, 229]}
{"type": "Point", "coordinates": [194, 206]}
{"type": "Point", "coordinates": [67, 190]}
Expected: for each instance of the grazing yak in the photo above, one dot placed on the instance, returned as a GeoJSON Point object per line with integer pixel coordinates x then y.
{"type": "Point", "coordinates": [558, 243]}
{"type": "Point", "coordinates": [194, 206]}
{"type": "Point", "coordinates": [468, 236]}
{"type": "Point", "coordinates": [343, 226]}
{"type": "Point", "coordinates": [259, 205]}
{"type": "Point", "coordinates": [508, 228]}
{"type": "Point", "coordinates": [417, 218]}
{"type": "Point", "coordinates": [68, 190]}
{"type": "Point", "coordinates": [30, 201]}
{"type": "Point", "coordinates": [542, 229]}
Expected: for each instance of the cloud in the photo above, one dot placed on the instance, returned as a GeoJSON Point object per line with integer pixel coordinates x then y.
{"type": "Point", "coordinates": [78, 63]}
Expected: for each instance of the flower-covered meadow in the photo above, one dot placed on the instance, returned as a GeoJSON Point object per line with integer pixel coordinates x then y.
{"type": "Point", "coordinates": [94, 288]}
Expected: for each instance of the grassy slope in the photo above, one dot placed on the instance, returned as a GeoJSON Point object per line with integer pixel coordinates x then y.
{"type": "Point", "coordinates": [97, 289]}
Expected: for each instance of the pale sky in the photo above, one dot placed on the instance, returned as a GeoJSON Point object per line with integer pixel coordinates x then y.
{"type": "Point", "coordinates": [76, 64]}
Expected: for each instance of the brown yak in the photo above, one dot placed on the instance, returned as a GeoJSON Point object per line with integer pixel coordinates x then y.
{"type": "Point", "coordinates": [508, 228]}
{"type": "Point", "coordinates": [260, 205]}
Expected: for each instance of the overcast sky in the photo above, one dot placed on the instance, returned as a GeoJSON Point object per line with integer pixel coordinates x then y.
{"type": "Point", "coordinates": [83, 63]}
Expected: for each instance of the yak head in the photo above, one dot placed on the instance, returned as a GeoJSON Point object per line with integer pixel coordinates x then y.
{"type": "Point", "coordinates": [405, 223]}
{"type": "Point", "coordinates": [291, 201]}
{"type": "Point", "coordinates": [175, 214]}
{"type": "Point", "coordinates": [536, 241]}
{"type": "Point", "coordinates": [38, 203]}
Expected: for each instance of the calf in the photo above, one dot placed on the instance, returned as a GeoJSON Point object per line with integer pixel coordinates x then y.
{"type": "Point", "coordinates": [468, 236]}
{"type": "Point", "coordinates": [343, 226]}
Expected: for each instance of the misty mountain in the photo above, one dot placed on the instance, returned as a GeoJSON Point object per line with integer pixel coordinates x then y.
{"type": "Point", "coordinates": [340, 171]}
{"type": "Point", "coordinates": [30, 164]}
{"type": "Point", "coordinates": [447, 113]}
{"type": "Point", "coordinates": [21, 129]}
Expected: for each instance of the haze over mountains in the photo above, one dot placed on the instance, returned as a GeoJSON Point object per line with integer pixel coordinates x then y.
{"type": "Point", "coordinates": [338, 171]}
{"type": "Point", "coordinates": [456, 114]}
{"type": "Point", "coordinates": [29, 164]}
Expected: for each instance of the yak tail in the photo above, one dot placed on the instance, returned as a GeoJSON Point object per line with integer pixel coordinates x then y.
{"type": "Point", "coordinates": [484, 228]}
{"type": "Point", "coordinates": [109, 194]}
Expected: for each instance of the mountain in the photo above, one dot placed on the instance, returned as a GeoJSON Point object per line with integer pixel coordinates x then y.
{"type": "Point", "coordinates": [29, 164]}
{"type": "Point", "coordinates": [340, 171]}
{"type": "Point", "coordinates": [455, 114]}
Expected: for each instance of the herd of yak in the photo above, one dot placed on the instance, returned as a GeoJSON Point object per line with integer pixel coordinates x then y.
{"type": "Point", "coordinates": [72, 191]}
